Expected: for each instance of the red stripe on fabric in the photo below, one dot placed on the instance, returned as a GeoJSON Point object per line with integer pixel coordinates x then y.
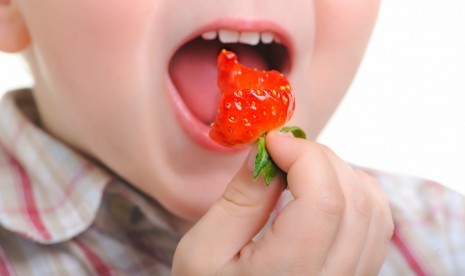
{"type": "Point", "coordinates": [69, 188]}
{"type": "Point", "coordinates": [17, 134]}
{"type": "Point", "coordinates": [29, 201]}
{"type": "Point", "coordinates": [4, 271]}
{"type": "Point", "coordinates": [409, 256]}
{"type": "Point", "coordinates": [81, 172]}
{"type": "Point", "coordinates": [4, 265]}
{"type": "Point", "coordinates": [99, 266]}
{"type": "Point", "coordinates": [28, 196]}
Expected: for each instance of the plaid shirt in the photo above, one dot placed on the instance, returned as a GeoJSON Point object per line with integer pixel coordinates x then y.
{"type": "Point", "coordinates": [61, 214]}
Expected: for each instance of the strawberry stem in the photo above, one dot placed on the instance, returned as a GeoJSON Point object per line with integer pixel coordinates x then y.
{"type": "Point", "coordinates": [264, 165]}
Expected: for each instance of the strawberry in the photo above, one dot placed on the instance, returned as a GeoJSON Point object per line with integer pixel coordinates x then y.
{"type": "Point", "coordinates": [252, 103]}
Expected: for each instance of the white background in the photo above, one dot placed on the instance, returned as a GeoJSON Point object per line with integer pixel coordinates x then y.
{"type": "Point", "coordinates": [405, 111]}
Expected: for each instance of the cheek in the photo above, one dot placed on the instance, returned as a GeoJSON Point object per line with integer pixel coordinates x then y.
{"type": "Point", "coordinates": [342, 32]}
{"type": "Point", "coordinates": [345, 23]}
{"type": "Point", "coordinates": [93, 41]}
{"type": "Point", "coordinates": [91, 59]}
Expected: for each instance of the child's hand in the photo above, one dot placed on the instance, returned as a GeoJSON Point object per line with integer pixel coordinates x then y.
{"type": "Point", "coordinates": [339, 223]}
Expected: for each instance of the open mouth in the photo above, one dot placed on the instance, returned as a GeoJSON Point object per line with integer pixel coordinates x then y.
{"type": "Point", "coordinates": [193, 68]}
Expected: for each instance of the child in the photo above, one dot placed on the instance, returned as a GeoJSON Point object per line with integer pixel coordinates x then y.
{"type": "Point", "coordinates": [106, 167]}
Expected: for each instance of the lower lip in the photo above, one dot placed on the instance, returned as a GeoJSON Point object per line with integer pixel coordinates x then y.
{"type": "Point", "coordinates": [193, 127]}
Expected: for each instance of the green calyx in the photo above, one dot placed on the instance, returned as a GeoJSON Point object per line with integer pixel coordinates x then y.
{"type": "Point", "coordinates": [264, 165]}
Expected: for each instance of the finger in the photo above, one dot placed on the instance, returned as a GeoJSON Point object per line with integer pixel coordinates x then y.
{"type": "Point", "coordinates": [380, 232]}
{"type": "Point", "coordinates": [232, 221]}
{"type": "Point", "coordinates": [304, 231]}
{"type": "Point", "coordinates": [345, 253]}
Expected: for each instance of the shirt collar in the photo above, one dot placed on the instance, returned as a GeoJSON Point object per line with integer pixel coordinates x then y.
{"type": "Point", "coordinates": [50, 193]}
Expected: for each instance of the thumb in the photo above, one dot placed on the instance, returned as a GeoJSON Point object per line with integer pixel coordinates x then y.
{"type": "Point", "coordinates": [234, 219]}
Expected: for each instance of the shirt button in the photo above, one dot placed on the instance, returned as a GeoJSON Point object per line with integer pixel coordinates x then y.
{"type": "Point", "coordinates": [123, 211]}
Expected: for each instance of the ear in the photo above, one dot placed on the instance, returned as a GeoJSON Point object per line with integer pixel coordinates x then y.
{"type": "Point", "coordinates": [14, 35]}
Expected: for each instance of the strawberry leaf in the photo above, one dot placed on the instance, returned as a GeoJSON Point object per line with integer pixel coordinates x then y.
{"type": "Point", "coordinates": [265, 166]}
{"type": "Point", "coordinates": [295, 130]}
{"type": "Point", "coordinates": [262, 158]}
{"type": "Point", "coordinates": [269, 172]}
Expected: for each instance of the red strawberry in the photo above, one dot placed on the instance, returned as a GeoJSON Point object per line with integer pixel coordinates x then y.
{"type": "Point", "coordinates": [252, 103]}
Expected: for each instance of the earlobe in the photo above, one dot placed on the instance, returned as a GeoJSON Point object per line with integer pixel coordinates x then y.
{"type": "Point", "coordinates": [14, 35]}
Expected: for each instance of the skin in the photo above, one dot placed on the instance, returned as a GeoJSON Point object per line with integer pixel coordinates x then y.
{"type": "Point", "coordinates": [99, 67]}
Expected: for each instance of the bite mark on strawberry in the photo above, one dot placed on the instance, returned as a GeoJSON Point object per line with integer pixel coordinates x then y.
{"type": "Point", "coordinates": [252, 104]}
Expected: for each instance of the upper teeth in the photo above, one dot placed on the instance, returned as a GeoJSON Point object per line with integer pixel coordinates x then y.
{"type": "Point", "coordinates": [246, 37]}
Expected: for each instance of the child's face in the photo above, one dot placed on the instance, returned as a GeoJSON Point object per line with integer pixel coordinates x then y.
{"type": "Point", "coordinates": [105, 71]}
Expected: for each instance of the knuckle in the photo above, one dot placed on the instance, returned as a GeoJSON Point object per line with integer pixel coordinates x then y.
{"type": "Point", "coordinates": [326, 150]}
{"type": "Point", "coordinates": [298, 268]}
{"type": "Point", "coordinates": [238, 203]}
{"type": "Point", "coordinates": [312, 148]}
{"type": "Point", "coordinates": [380, 201]}
{"type": "Point", "coordinates": [331, 205]}
{"type": "Point", "coordinates": [236, 196]}
{"type": "Point", "coordinates": [384, 201]}
{"type": "Point", "coordinates": [362, 204]}
{"type": "Point", "coordinates": [382, 208]}
{"type": "Point", "coordinates": [320, 149]}
{"type": "Point", "coordinates": [389, 221]}
{"type": "Point", "coordinates": [385, 220]}
{"type": "Point", "coordinates": [367, 178]}
{"type": "Point", "coordinates": [390, 231]}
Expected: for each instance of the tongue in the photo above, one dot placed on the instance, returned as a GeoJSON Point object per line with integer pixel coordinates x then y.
{"type": "Point", "coordinates": [194, 73]}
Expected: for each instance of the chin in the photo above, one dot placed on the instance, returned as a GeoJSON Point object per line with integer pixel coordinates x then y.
{"type": "Point", "coordinates": [191, 204]}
